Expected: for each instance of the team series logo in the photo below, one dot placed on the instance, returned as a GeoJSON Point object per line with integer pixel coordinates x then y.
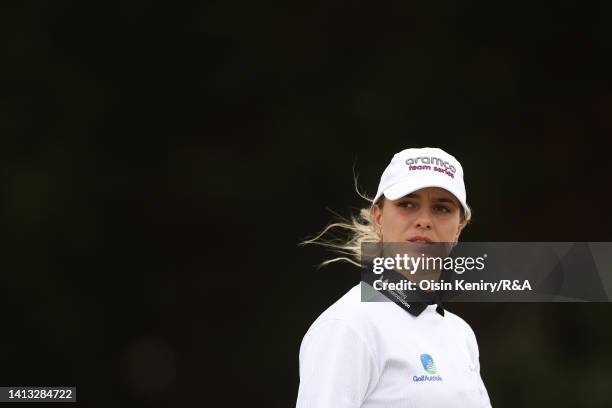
{"type": "Point", "coordinates": [431, 163]}
{"type": "Point", "coordinates": [430, 368]}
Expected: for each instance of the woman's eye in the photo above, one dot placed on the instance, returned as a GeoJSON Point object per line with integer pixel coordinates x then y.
{"type": "Point", "coordinates": [406, 204]}
{"type": "Point", "coordinates": [441, 208]}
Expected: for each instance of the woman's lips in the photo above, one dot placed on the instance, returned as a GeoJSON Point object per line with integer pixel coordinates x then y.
{"type": "Point", "coordinates": [420, 239]}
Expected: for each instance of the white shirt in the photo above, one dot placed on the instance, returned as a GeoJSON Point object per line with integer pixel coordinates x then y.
{"type": "Point", "coordinates": [376, 354]}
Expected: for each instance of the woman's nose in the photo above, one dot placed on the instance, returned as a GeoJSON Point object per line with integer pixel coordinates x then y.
{"type": "Point", "coordinates": [423, 219]}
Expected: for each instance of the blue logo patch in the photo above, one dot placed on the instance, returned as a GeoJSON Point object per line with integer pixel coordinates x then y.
{"type": "Point", "coordinates": [428, 364]}
{"type": "Point", "coordinates": [430, 368]}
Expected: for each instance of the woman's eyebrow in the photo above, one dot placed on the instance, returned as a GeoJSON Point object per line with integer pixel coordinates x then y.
{"type": "Point", "coordinates": [437, 200]}
{"type": "Point", "coordinates": [445, 200]}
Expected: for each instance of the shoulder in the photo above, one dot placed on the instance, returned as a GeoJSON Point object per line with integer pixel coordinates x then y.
{"type": "Point", "coordinates": [460, 324]}
{"type": "Point", "coordinates": [349, 319]}
{"type": "Point", "coordinates": [464, 331]}
{"type": "Point", "coordinates": [350, 311]}
{"type": "Point", "coordinates": [345, 331]}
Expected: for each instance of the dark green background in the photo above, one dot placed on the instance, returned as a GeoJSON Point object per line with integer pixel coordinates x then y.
{"type": "Point", "coordinates": [159, 164]}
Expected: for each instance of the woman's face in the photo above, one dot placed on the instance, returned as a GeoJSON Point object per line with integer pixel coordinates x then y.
{"type": "Point", "coordinates": [430, 214]}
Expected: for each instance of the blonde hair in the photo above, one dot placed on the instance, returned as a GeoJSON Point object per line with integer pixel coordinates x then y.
{"type": "Point", "coordinates": [358, 229]}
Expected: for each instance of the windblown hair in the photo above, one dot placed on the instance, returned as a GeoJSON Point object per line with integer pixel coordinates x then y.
{"type": "Point", "coordinates": [358, 229]}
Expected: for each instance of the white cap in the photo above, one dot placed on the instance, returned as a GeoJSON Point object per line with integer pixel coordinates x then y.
{"type": "Point", "coordinates": [413, 169]}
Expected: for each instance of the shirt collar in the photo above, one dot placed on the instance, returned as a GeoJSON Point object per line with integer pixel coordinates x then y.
{"type": "Point", "coordinates": [413, 301]}
{"type": "Point", "coordinates": [414, 305]}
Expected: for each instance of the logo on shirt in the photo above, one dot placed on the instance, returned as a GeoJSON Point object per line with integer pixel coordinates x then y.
{"type": "Point", "coordinates": [430, 367]}
{"type": "Point", "coordinates": [428, 364]}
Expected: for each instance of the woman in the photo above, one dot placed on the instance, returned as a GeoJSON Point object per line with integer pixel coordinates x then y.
{"type": "Point", "coordinates": [384, 354]}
